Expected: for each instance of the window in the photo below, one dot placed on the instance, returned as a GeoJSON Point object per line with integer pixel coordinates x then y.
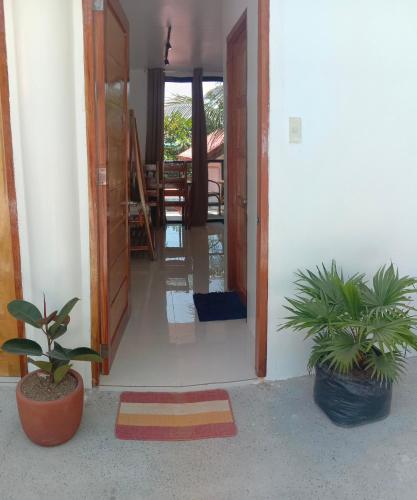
{"type": "Point", "coordinates": [178, 134]}
{"type": "Point", "coordinates": [177, 121]}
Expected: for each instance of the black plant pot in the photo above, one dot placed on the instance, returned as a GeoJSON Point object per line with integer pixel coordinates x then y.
{"type": "Point", "coordinates": [350, 400]}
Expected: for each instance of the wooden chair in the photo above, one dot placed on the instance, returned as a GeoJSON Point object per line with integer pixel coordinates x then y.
{"type": "Point", "coordinates": [175, 188]}
{"type": "Point", "coordinates": [216, 185]}
{"type": "Point", "coordinates": [153, 191]}
{"type": "Point", "coordinates": [215, 190]}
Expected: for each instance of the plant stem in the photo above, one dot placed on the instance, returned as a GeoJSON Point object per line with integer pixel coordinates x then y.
{"type": "Point", "coordinates": [46, 332]}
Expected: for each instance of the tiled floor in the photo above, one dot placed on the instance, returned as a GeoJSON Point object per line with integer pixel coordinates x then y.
{"type": "Point", "coordinates": [165, 345]}
{"type": "Point", "coordinates": [173, 215]}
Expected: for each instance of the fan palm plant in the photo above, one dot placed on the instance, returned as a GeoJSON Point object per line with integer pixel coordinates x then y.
{"type": "Point", "coordinates": [355, 325]}
{"type": "Point", "coordinates": [213, 105]}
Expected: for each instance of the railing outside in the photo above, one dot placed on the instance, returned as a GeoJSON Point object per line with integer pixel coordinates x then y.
{"type": "Point", "coordinates": [211, 164]}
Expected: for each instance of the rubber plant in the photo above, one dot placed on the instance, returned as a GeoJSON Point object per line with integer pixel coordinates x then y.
{"type": "Point", "coordinates": [54, 326]}
{"type": "Point", "coordinates": [354, 324]}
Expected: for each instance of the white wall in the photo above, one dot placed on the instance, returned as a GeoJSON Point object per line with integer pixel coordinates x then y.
{"type": "Point", "coordinates": [349, 191]}
{"type": "Point", "coordinates": [46, 72]}
{"type": "Point", "coordinates": [138, 101]}
{"type": "Point", "coordinates": [232, 11]}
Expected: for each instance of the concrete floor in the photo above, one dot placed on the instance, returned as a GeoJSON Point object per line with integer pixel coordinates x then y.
{"type": "Point", "coordinates": [286, 449]}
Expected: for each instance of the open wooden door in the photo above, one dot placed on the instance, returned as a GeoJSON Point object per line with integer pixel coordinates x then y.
{"type": "Point", "coordinates": [111, 39]}
{"type": "Point", "coordinates": [237, 158]}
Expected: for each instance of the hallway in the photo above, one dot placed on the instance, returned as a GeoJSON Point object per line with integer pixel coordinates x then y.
{"type": "Point", "coordinates": [164, 344]}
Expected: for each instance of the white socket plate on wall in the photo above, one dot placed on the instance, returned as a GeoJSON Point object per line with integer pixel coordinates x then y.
{"type": "Point", "coordinates": [295, 127]}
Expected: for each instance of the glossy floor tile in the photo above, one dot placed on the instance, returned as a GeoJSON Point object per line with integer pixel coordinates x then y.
{"type": "Point", "coordinates": [164, 343]}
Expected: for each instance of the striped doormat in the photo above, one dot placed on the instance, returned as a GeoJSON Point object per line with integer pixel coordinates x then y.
{"type": "Point", "coordinates": [171, 416]}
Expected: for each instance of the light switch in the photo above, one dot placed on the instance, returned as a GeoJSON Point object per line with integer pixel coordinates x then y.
{"type": "Point", "coordinates": [296, 135]}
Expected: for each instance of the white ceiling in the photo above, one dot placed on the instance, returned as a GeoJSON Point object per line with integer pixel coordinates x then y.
{"type": "Point", "coordinates": [196, 33]}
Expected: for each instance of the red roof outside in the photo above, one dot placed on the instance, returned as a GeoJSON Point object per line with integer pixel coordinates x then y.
{"type": "Point", "coordinates": [215, 147]}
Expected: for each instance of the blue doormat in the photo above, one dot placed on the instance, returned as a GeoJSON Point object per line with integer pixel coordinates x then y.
{"type": "Point", "coordinates": [219, 306]}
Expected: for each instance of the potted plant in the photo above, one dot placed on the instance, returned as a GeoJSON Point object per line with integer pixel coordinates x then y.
{"type": "Point", "coordinates": [361, 333]}
{"type": "Point", "coordinates": [50, 400]}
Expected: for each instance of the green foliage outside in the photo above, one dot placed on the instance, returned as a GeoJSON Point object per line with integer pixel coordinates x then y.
{"type": "Point", "coordinates": [356, 325]}
{"type": "Point", "coordinates": [178, 122]}
{"type": "Point", "coordinates": [214, 106]}
{"type": "Point", "coordinates": [177, 136]}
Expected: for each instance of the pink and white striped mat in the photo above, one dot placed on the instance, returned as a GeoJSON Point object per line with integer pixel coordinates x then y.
{"type": "Point", "coordinates": [172, 416]}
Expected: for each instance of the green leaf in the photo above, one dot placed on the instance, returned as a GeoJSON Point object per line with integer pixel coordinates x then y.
{"type": "Point", "coordinates": [56, 331]}
{"type": "Point", "coordinates": [389, 289]}
{"type": "Point", "coordinates": [387, 367]}
{"type": "Point", "coordinates": [59, 353]}
{"type": "Point", "coordinates": [85, 354]}
{"type": "Point", "coordinates": [343, 352]}
{"type": "Point", "coordinates": [79, 354]}
{"type": "Point", "coordinates": [314, 316]}
{"type": "Point", "coordinates": [25, 311]}
{"type": "Point", "coordinates": [43, 365]}
{"type": "Point", "coordinates": [60, 373]}
{"type": "Point", "coordinates": [352, 299]}
{"type": "Point", "coordinates": [64, 312]}
{"type": "Point", "coordinates": [22, 347]}
{"type": "Point", "coordinates": [319, 350]}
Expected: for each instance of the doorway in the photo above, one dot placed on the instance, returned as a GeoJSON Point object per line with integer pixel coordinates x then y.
{"type": "Point", "coordinates": [173, 265]}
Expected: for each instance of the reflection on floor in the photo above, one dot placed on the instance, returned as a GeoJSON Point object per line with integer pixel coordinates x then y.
{"type": "Point", "coordinates": [173, 215]}
{"type": "Point", "coordinates": [164, 343]}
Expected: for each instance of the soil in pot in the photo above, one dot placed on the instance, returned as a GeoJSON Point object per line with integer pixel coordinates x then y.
{"type": "Point", "coordinates": [351, 400]}
{"type": "Point", "coordinates": [39, 387]}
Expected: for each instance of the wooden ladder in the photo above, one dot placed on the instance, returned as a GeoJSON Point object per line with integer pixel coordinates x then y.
{"type": "Point", "coordinates": [142, 220]}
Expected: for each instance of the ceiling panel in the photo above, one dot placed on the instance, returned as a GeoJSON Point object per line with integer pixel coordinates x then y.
{"type": "Point", "coordinates": [196, 33]}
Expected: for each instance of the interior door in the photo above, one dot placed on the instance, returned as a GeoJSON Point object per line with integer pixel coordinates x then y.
{"type": "Point", "coordinates": [237, 158]}
{"type": "Point", "coordinates": [112, 74]}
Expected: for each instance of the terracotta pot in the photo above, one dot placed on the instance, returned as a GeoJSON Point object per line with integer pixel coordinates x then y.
{"type": "Point", "coordinates": [49, 423]}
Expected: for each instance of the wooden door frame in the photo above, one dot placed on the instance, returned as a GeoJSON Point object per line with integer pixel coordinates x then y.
{"type": "Point", "coordinates": [90, 99]}
{"type": "Point", "coordinates": [262, 238]}
{"type": "Point", "coordinates": [9, 174]}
